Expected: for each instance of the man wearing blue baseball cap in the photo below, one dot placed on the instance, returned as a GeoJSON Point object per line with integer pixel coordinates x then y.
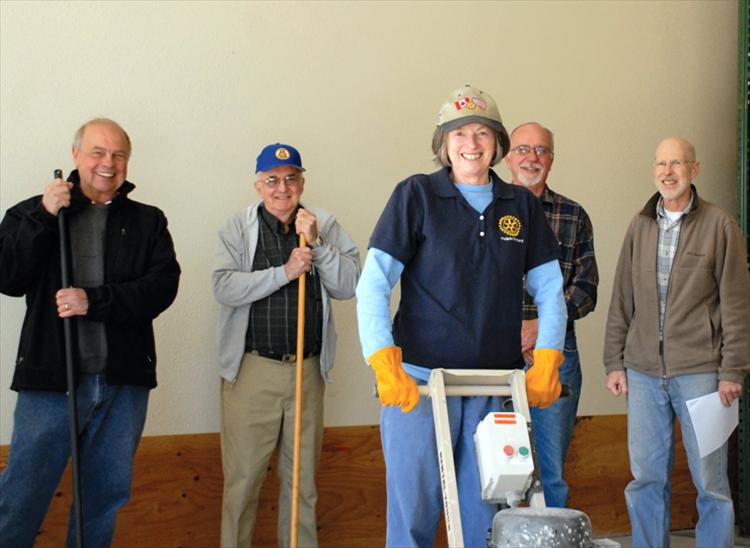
{"type": "Point", "coordinates": [258, 263]}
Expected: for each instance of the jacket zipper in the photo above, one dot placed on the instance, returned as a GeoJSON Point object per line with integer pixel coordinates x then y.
{"type": "Point", "coordinates": [683, 221]}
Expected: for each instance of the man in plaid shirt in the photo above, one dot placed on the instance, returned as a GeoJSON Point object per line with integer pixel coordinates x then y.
{"type": "Point", "coordinates": [532, 151]}
{"type": "Point", "coordinates": [258, 263]}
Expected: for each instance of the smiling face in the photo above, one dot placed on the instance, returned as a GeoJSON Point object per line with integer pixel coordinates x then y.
{"type": "Point", "coordinates": [102, 161]}
{"type": "Point", "coordinates": [471, 148]}
{"type": "Point", "coordinates": [282, 200]}
{"type": "Point", "coordinates": [675, 167]}
{"type": "Point", "coordinates": [527, 166]}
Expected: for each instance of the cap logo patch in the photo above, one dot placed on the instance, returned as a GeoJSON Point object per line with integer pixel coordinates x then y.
{"type": "Point", "coordinates": [510, 225]}
{"type": "Point", "coordinates": [471, 103]}
{"type": "Point", "coordinates": [282, 153]}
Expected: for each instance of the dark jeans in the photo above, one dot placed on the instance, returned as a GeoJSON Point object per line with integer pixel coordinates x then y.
{"type": "Point", "coordinates": [110, 419]}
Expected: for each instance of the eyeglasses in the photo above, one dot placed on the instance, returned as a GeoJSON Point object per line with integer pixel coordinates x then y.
{"type": "Point", "coordinates": [292, 180]}
{"type": "Point", "coordinates": [540, 150]}
{"type": "Point", "coordinates": [674, 164]}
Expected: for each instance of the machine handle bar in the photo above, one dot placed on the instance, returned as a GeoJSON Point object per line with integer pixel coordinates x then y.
{"type": "Point", "coordinates": [481, 390]}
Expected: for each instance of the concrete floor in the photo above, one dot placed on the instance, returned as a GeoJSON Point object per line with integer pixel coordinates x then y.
{"type": "Point", "coordinates": [682, 539]}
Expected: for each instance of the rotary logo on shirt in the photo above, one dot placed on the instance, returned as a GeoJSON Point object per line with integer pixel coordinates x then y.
{"type": "Point", "coordinates": [511, 227]}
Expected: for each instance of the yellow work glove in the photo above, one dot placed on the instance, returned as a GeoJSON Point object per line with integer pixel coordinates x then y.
{"type": "Point", "coordinates": [542, 379]}
{"type": "Point", "coordinates": [395, 387]}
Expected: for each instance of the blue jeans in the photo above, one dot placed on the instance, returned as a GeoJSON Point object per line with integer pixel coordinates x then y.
{"type": "Point", "coordinates": [553, 428]}
{"type": "Point", "coordinates": [653, 403]}
{"type": "Point", "coordinates": [413, 476]}
{"type": "Point", "coordinates": [110, 422]}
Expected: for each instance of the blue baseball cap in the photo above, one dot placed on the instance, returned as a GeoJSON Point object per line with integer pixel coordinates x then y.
{"type": "Point", "coordinates": [278, 155]}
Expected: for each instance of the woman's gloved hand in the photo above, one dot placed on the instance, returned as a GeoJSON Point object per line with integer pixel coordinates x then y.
{"type": "Point", "coordinates": [395, 387]}
{"type": "Point", "coordinates": [542, 379]}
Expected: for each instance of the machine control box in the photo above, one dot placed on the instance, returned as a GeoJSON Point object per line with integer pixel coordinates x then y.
{"type": "Point", "coordinates": [504, 457]}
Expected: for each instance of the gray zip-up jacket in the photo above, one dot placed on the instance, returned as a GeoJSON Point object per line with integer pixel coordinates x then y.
{"type": "Point", "coordinates": [707, 318]}
{"type": "Point", "coordinates": [236, 287]}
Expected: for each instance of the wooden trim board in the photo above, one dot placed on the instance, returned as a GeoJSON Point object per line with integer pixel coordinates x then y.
{"type": "Point", "coordinates": [176, 498]}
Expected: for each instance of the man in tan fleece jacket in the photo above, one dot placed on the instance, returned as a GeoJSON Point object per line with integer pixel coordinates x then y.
{"type": "Point", "coordinates": [678, 328]}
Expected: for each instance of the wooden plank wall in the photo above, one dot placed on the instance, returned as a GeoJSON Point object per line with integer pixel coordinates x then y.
{"type": "Point", "coordinates": [176, 498]}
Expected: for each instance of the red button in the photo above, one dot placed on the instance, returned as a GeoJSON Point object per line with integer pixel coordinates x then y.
{"type": "Point", "coordinates": [508, 450]}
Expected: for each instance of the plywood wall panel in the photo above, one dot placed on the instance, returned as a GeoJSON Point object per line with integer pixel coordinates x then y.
{"type": "Point", "coordinates": [176, 499]}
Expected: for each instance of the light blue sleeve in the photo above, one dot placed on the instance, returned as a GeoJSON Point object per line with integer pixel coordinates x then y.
{"type": "Point", "coordinates": [379, 276]}
{"type": "Point", "coordinates": [544, 283]}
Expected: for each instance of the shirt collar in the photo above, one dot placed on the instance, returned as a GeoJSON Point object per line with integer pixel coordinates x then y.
{"type": "Point", "coordinates": [661, 213]}
{"type": "Point", "coordinates": [272, 222]}
{"type": "Point", "coordinates": [548, 195]}
{"type": "Point", "coordinates": [445, 188]}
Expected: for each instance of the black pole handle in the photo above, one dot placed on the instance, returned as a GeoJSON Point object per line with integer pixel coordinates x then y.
{"type": "Point", "coordinates": [63, 228]}
{"type": "Point", "coordinates": [71, 380]}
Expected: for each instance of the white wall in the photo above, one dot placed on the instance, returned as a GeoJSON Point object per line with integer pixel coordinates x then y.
{"type": "Point", "coordinates": [202, 86]}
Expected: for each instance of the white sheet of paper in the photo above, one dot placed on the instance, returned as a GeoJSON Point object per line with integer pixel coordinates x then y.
{"type": "Point", "coordinates": [713, 423]}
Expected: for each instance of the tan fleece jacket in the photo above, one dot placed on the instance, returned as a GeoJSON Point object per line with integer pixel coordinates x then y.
{"type": "Point", "coordinates": [707, 318]}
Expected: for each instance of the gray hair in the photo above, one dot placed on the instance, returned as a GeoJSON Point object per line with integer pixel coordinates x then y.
{"type": "Point", "coordinates": [549, 133]}
{"type": "Point", "coordinates": [78, 137]}
{"type": "Point", "coordinates": [440, 148]}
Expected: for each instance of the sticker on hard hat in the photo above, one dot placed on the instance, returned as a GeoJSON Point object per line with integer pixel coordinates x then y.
{"type": "Point", "coordinates": [471, 103]}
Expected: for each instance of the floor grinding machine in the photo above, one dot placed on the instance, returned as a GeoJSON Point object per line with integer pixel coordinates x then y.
{"type": "Point", "coordinates": [508, 468]}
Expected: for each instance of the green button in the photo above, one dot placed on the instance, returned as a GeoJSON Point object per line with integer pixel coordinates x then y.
{"type": "Point", "coordinates": [523, 451]}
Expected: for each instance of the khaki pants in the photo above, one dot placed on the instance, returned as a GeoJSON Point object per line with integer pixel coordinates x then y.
{"type": "Point", "coordinates": [257, 415]}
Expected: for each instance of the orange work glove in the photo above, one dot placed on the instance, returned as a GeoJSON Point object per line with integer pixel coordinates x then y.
{"type": "Point", "coordinates": [395, 387]}
{"type": "Point", "coordinates": [542, 379]}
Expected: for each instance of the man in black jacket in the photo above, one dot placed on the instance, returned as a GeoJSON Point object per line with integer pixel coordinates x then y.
{"type": "Point", "coordinates": [124, 274]}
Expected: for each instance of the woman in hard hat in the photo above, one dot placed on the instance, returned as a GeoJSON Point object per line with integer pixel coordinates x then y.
{"type": "Point", "coordinates": [460, 240]}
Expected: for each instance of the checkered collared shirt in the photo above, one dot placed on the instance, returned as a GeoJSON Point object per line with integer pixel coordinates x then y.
{"type": "Point", "coordinates": [273, 319]}
{"type": "Point", "coordinates": [669, 237]}
{"type": "Point", "coordinates": [573, 229]}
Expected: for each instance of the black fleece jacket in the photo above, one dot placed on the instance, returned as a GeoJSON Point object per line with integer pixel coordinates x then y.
{"type": "Point", "coordinates": [141, 275]}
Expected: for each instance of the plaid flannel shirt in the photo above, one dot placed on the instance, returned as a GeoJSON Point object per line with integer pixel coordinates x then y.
{"type": "Point", "coordinates": [573, 229]}
{"type": "Point", "coordinates": [669, 237]}
{"type": "Point", "coordinates": [273, 319]}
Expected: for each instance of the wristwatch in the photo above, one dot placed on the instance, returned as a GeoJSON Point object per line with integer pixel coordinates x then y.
{"type": "Point", "coordinates": [317, 243]}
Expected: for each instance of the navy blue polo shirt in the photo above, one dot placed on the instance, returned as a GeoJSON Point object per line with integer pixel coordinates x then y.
{"type": "Point", "coordinates": [462, 284]}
